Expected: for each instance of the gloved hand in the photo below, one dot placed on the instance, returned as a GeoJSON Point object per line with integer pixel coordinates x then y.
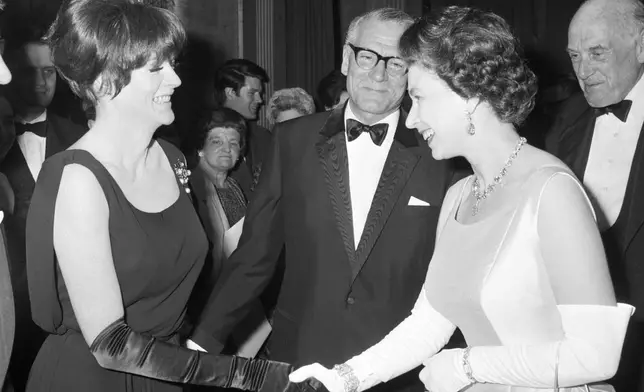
{"type": "Point", "coordinates": [444, 372]}
{"type": "Point", "coordinates": [328, 377]}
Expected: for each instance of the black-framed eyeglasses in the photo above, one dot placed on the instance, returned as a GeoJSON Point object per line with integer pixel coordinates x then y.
{"type": "Point", "coordinates": [367, 59]}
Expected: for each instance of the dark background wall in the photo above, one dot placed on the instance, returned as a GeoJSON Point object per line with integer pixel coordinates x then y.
{"type": "Point", "coordinates": [299, 41]}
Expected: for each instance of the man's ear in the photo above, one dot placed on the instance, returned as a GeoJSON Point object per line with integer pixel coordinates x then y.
{"type": "Point", "coordinates": [230, 93]}
{"type": "Point", "coordinates": [346, 58]}
{"type": "Point", "coordinates": [639, 47]}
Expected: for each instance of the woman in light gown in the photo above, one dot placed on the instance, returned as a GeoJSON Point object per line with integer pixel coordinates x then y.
{"type": "Point", "coordinates": [519, 266]}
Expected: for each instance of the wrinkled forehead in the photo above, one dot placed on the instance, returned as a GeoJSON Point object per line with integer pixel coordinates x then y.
{"type": "Point", "coordinates": [380, 36]}
{"type": "Point", "coordinates": [595, 30]}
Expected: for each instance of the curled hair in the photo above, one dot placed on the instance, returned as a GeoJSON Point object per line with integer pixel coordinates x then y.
{"type": "Point", "coordinates": [218, 118]}
{"type": "Point", "coordinates": [475, 53]}
{"type": "Point", "coordinates": [289, 98]}
{"type": "Point", "coordinates": [109, 39]}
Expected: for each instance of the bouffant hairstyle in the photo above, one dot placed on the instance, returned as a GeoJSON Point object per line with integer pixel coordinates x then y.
{"type": "Point", "coordinates": [475, 53]}
{"type": "Point", "coordinates": [106, 40]}
{"type": "Point", "coordinates": [218, 118]}
{"type": "Point", "coordinates": [295, 98]}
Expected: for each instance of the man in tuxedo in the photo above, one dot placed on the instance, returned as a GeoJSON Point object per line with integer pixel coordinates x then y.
{"type": "Point", "coordinates": [598, 134]}
{"type": "Point", "coordinates": [240, 85]}
{"type": "Point", "coordinates": [38, 135]}
{"type": "Point", "coordinates": [354, 197]}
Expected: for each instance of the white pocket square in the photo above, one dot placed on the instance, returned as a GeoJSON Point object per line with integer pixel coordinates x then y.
{"type": "Point", "coordinates": [413, 201]}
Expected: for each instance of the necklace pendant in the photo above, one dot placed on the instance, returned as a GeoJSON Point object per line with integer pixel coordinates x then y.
{"type": "Point", "coordinates": [475, 209]}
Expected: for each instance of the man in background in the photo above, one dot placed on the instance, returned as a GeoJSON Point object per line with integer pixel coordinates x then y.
{"type": "Point", "coordinates": [598, 134]}
{"type": "Point", "coordinates": [39, 133]}
{"type": "Point", "coordinates": [240, 85]}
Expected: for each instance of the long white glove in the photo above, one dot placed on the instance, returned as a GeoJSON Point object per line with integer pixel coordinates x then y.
{"type": "Point", "coordinates": [415, 339]}
{"type": "Point", "coordinates": [589, 352]}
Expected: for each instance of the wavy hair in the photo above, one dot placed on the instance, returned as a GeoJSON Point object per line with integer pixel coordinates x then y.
{"type": "Point", "coordinates": [475, 53]}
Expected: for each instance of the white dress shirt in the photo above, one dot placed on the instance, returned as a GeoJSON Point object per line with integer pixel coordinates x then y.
{"type": "Point", "coordinates": [33, 147]}
{"type": "Point", "coordinates": [610, 158]}
{"type": "Point", "coordinates": [366, 161]}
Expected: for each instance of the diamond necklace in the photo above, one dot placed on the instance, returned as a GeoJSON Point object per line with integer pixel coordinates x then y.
{"type": "Point", "coordinates": [476, 185]}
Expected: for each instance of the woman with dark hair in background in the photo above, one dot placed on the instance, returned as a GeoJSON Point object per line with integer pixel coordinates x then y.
{"type": "Point", "coordinates": [220, 140]}
{"type": "Point", "coordinates": [114, 246]}
{"type": "Point", "coordinates": [519, 265]}
{"type": "Point", "coordinates": [219, 143]}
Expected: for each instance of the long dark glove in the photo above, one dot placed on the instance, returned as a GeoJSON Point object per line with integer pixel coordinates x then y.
{"type": "Point", "coordinates": [119, 348]}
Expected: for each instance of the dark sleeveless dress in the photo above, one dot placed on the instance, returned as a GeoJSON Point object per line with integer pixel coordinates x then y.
{"type": "Point", "coordinates": [157, 257]}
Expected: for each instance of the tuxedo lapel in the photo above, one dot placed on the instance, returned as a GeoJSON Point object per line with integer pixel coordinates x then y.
{"type": "Point", "coordinates": [17, 171]}
{"type": "Point", "coordinates": [55, 143]}
{"type": "Point", "coordinates": [575, 143]}
{"type": "Point", "coordinates": [332, 153]}
{"type": "Point", "coordinates": [401, 160]}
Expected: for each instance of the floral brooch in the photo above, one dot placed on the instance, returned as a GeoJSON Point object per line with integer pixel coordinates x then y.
{"type": "Point", "coordinates": [183, 174]}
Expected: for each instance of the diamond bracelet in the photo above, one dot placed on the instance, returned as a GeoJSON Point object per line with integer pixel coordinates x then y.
{"type": "Point", "coordinates": [351, 382]}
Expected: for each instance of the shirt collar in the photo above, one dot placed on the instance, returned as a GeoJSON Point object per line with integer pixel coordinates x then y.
{"type": "Point", "coordinates": [41, 118]}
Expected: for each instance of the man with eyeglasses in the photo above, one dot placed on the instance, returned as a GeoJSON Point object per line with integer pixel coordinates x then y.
{"type": "Point", "coordinates": [354, 197]}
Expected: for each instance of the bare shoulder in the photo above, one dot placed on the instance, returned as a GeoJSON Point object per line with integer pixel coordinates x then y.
{"type": "Point", "coordinates": [532, 160]}
{"type": "Point", "coordinates": [80, 191]}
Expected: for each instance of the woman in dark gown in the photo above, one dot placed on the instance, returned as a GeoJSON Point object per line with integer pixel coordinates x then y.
{"type": "Point", "coordinates": [114, 246]}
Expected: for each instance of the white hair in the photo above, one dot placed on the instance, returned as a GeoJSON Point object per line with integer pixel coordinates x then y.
{"type": "Point", "coordinates": [380, 14]}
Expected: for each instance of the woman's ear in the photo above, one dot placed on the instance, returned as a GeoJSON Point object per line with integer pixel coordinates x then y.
{"type": "Point", "coordinates": [101, 88]}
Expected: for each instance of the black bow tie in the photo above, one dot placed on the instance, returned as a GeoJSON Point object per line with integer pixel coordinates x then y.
{"type": "Point", "coordinates": [376, 131]}
{"type": "Point", "coordinates": [39, 128]}
{"type": "Point", "coordinates": [619, 109]}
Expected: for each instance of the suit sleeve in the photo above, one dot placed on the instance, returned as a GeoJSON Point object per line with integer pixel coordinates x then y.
{"type": "Point", "coordinates": [251, 267]}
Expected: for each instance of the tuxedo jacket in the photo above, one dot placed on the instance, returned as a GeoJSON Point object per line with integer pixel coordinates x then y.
{"type": "Point", "coordinates": [335, 300]}
{"type": "Point", "coordinates": [570, 140]}
{"type": "Point", "coordinates": [246, 173]}
{"type": "Point", "coordinates": [61, 133]}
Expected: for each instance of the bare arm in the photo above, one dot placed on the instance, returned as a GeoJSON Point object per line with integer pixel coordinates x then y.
{"type": "Point", "coordinates": [571, 246]}
{"type": "Point", "coordinates": [82, 245]}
